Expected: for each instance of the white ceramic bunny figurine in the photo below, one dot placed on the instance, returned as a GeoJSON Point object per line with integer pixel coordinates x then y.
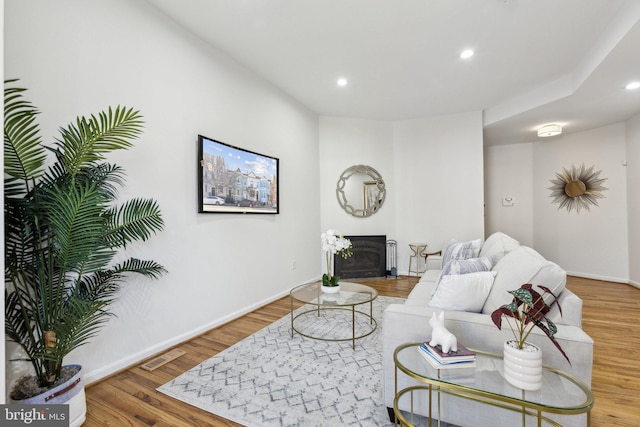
{"type": "Point", "coordinates": [440, 334]}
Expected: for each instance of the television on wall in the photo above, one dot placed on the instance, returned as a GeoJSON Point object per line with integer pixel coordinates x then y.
{"type": "Point", "coordinates": [235, 180]}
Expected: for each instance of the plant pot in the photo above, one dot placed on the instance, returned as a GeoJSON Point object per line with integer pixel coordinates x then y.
{"type": "Point", "coordinates": [523, 367]}
{"type": "Point", "coordinates": [330, 289]}
{"type": "Point", "coordinates": [71, 393]}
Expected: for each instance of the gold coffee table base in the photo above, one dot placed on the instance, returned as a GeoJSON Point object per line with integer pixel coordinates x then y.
{"type": "Point", "coordinates": [410, 362]}
{"type": "Point", "coordinates": [349, 296]}
{"type": "Point", "coordinates": [353, 338]}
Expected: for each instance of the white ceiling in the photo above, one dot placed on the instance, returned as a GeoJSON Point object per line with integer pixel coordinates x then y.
{"type": "Point", "coordinates": [535, 62]}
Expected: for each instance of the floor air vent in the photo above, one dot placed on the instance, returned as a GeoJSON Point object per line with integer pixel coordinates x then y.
{"type": "Point", "coordinates": [161, 360]}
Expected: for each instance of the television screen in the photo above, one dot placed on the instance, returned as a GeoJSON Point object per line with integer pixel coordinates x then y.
{"type": "Point", "coordinates": [235, 180]}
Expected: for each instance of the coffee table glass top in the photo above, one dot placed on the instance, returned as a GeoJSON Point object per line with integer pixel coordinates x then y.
{"type": "Point", "coordinates": [350, 294]}
{"type": "Point", "coordinates": [560, 391]}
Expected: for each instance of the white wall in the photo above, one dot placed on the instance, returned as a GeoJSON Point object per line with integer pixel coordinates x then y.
{"type": "Point", "coordinates": [348, 142]}
{"type": "Point", "coordinates": [439, 178]}
{"type": "Point", "coordinates": [78, 57]}
{"type": "Point", "coordinates": [590, 244]}
{"type": "Point", "coordinates": [633, 197]}
{"type": "Point", "coordinates": [432, 168]}
{"type": "Point", "coordinates": [509, 173]}
{"type": "Point", "coordinates": [593, 243]}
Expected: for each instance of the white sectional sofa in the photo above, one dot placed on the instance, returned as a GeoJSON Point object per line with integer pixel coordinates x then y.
{"type": "Point", "coordinates": [480, 293]}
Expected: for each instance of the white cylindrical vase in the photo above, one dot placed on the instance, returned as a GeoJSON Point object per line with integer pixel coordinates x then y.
{"type": "Point", "coordinates": [523, 367]}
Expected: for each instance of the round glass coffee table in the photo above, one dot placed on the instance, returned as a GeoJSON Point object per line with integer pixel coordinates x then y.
{"type": "Point", "coordinates": [325, 325]}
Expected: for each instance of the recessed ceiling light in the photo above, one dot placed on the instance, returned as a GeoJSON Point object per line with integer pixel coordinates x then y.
{"type": "Point", "coordinates": [342, 81]}
{"type": "Point", "coordinates": [466, 54]}
{"type": "Point", "coordinates": [549, 130]}
{"type": "Point", "coordinates": [633, 85]}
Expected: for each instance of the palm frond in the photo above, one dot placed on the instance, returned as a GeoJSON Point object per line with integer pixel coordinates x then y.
{"type": "Point", "coordinates": [149, 269]}
{"type": "Point", "coordinates": [86, 141]}
{"type": "Point", "coordinates": [109, 178]}
{"type": "Point", "coordinates": [24, 156]}
{"type": "Point", "coordinates": [81, 321]}
{"type": "Point", "coordinates": [100, 286]}
{"type": "Point", "coordinates": [74, 214]}
{"type": "Point", "coordinates": [135, 220]}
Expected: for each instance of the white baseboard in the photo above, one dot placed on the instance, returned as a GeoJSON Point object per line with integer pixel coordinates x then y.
{"type": "Point", "coordinates": [634, 284]}
{"type": "Point", "coordinates": [598, 277]}
{"type": "Point", "coordinates": [136, 358]}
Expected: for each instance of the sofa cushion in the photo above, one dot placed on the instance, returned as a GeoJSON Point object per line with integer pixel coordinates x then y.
{"type": "Point", "coordinates": [498, 245]}
{"type": "Point", "coordinates": [461, 250]}
{"type": "Point", "coordinates": [463, 292]}
{"type": "Point", "coordinates": [523, 265]}
{"type": "Point", "coordinates": [421, 293]}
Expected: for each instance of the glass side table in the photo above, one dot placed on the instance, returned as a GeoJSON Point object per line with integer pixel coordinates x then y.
{"type": "Point", "coordinates": [563, 394]}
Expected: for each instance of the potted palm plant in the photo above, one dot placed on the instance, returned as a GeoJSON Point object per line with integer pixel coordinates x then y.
{"type": "Point", "coordinates": [63, 231]}
{"type": "Point", "coordinates": [527, 310]}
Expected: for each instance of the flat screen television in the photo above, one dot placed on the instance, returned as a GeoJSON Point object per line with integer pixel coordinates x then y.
{"type": "Point", "coordinates": [236, 180]}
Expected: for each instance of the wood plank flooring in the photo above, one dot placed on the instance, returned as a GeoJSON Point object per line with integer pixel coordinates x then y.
{"type": "Point", "coordinates": [610, 317]}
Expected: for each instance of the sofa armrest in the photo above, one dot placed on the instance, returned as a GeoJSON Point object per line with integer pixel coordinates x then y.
{"type": "Point", "coordinates": [571, 306]}
{"type": "Point", "coordinates": [401, 324]}
{"type": "Point", "coordinates": [433, 261]}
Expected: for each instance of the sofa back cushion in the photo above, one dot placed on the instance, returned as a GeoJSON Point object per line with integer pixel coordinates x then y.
{"type": "Point", "coordinates": [523, 265]}
{"type": "Point", "coordinates": [498, 245]}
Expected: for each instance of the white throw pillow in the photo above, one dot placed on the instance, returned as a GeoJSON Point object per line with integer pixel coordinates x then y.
{"type": "Point", "coordinates": [461, 250]}
{"type": "Point", "coordinates": [463, 292]}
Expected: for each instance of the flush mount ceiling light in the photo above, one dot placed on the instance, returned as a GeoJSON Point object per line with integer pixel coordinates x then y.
{"type": "Point", "coordinates": [466, 54]}
{"type": "Point", "coordinates": [342, 81]}
{"type": "Point", "coordinates": [549, 130]}
{"type": "Point", "coordinates": [633, 85]}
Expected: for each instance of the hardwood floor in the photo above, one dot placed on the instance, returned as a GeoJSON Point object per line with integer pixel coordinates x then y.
{"type": "Point", "coordinates": [610, 317]}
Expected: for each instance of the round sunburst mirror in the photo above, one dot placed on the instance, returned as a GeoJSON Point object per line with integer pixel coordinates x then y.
{"type": "Point", "coordinates": [577, 188]}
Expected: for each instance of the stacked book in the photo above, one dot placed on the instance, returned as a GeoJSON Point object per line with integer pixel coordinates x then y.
{"type": "Point", "coordinates": [463, 358]}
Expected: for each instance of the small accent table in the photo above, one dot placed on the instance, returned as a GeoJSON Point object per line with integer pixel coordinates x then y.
{"type": "Point", "coordinates": [349, 296]}
{"type": "Point", "coordinates": [417, 249]}
{"type": "Point", "coordinates": [485, 383]}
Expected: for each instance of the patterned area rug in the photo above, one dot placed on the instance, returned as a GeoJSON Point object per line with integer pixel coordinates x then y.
{"type": "Point", "coordinates": [274, 379]}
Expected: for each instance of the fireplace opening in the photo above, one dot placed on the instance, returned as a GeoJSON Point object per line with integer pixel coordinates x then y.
{"type": "Point", "coordinates": [368, 260]}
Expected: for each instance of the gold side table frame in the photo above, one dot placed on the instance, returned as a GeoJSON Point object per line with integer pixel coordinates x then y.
{"type": "Point", "coordinates": [349, 296]}
{"type": "Point", "coordinates": [417, 250]}
{"type": "Point", "coordinates": [434, 383]}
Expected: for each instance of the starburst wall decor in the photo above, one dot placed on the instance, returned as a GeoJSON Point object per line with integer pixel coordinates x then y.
{"type": "Point", "coordinates": [578, 188]}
